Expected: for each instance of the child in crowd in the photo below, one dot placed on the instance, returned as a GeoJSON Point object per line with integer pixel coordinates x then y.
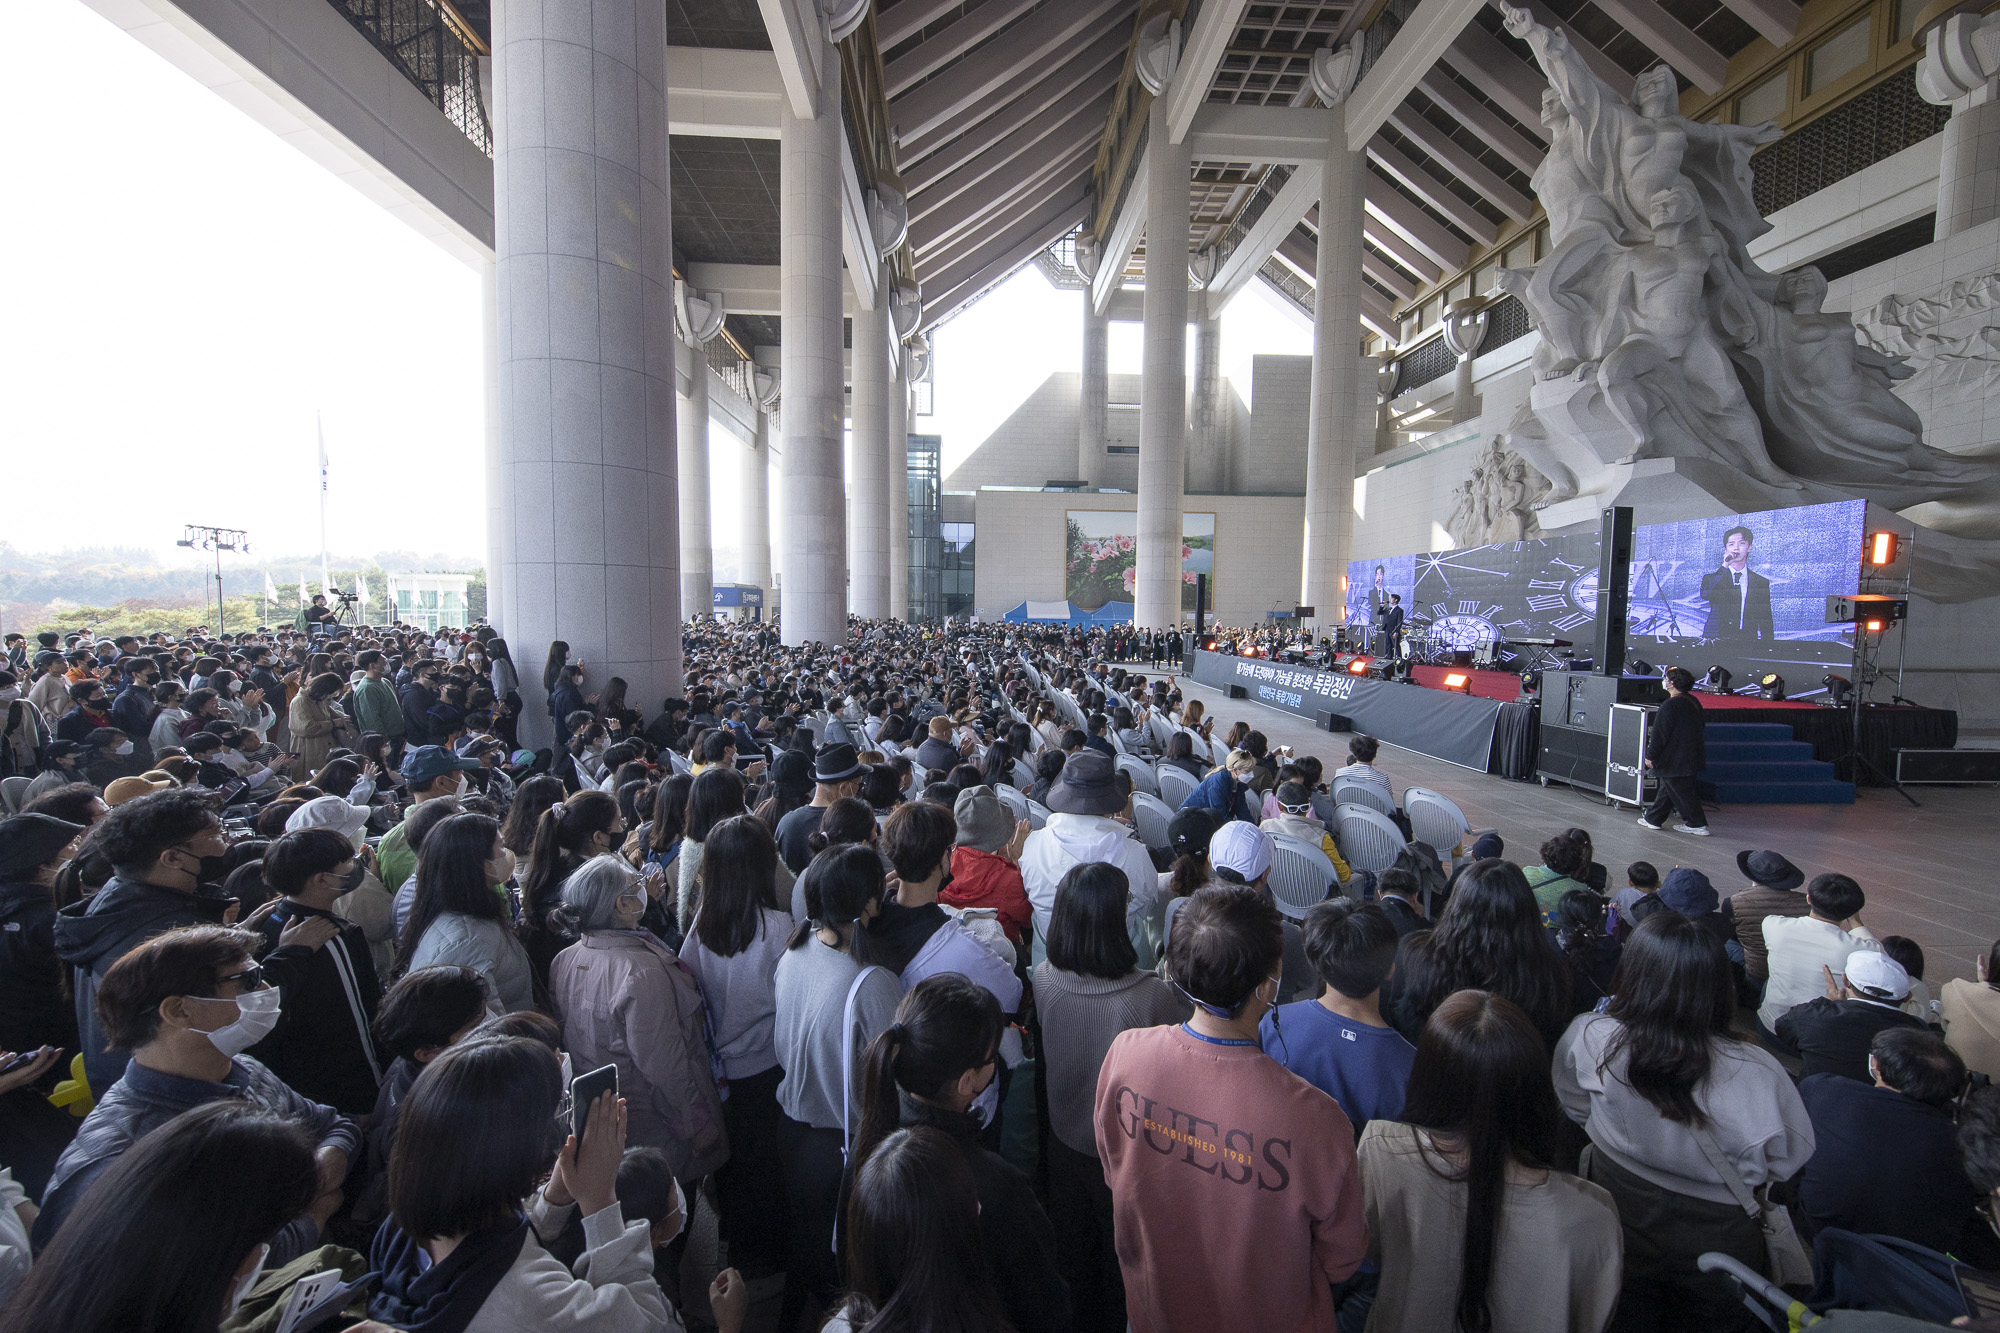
{"type": "Point", "coordinates": [1911, 955]}
{"type": "Point", "coordinates": [1340, 1043]}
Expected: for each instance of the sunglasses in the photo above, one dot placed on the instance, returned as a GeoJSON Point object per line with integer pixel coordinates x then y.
{"type": "Point", "coordinates": [251, 978]}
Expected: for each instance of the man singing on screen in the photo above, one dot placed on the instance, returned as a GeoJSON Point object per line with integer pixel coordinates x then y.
{"type": "Point", "coordinates": [1739, 601]}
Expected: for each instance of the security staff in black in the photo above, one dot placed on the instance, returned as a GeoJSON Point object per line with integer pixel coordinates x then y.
{"type": "Point", "coordinates": [1675, 752]}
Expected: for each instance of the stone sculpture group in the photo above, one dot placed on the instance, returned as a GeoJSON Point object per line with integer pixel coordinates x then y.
{"type": "Point", "coordinates": [1497, 502]}
{"type": "Point", "coordinates": [1662, 338]}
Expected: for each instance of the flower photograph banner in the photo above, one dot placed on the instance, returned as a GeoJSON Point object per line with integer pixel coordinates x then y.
{"type": "Point", "coordinates": [1101, 556]}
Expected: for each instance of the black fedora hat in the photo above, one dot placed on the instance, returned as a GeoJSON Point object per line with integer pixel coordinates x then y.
{"type": "Point", "coordinates": [1770, 869]}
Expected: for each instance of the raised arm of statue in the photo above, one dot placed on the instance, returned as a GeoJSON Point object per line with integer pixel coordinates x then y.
{"type": "Point", "coordinates": [1582, 92]}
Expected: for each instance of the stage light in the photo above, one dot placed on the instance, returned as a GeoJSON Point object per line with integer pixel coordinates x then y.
{"type": "Point", "coordinates": [1837, 688]}
{"type": "Point", "coordinates": [1531, 683]}
{"type": "Point", "coordinates": [1638, 666]}
{"type": "Point", "coordinates": [1882, 547]}
{"type": "Point", "coordinates": [1874, 626]}
{"type": "Point", "coordinates": [1717, 679]}
{"type": "Point", "coordinates": [1458, 680]}
{"type": "Point", "coordinates": [1359, 666]}
{"type": "Point", "coordinates": [1771, 685]}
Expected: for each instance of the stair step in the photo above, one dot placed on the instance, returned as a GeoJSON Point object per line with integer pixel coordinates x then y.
{"type": "Point", "coordinates": [1746, 731]}
{"type": "Point", "coordinates": [1759, 752]}
{"type": "Point", "coordinates": [1780, 793]}
{"type": "Point", "coordinates": [1780, 771]}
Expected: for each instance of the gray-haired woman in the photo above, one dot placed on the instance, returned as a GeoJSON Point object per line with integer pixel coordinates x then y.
{"type": "Point", "coordinates": [625, 1000]}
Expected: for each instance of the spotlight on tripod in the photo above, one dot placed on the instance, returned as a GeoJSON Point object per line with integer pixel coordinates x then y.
{"type": "Point", "coordinates": [1837, 689]}
{"type": "Point", "coordinates": [1771, 685]}
{"type": "Point", "coordinates": [1717, 680]}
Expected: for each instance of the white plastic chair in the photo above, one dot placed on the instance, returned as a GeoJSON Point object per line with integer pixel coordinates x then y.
{"type": "Point", "coordinates": [680, 765]}
{"type": "Point", "coordinates": [1142, 774]}
{"type": "Point", "coordinates": [1151, 816]}
{"type": "Point", "coordinates": [1024, 777]}
{"type": "Point", "coordinates": [1117, 745]}
{"type": "Point", "coordinates": [1368, 838]}
{"type": "Point", "coordinates": [1301, 875]}
{"type": "Point", "coordinates": [1038, 814]}
{"type": "Point", "coordinates": [1350, 791]}
{"type": "Point", "coordinates": [1175, 784]}
{"type": "Point", "coordinates": [1163, 731]}
{"type": "Point", "coordinates": [1013, 800]}
{"type": "Point", "coordinates": [1436, 821]}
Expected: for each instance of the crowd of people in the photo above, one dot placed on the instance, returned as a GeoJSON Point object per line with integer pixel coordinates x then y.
{"type": "Point", "coordinates": [323, 985]}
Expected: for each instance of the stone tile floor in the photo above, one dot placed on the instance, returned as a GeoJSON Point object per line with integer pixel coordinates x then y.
{"type": "Point", "coordinates": [1931, 873]}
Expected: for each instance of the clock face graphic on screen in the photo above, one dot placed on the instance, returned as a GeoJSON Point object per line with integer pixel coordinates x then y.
{"type": "Point", "coordinates": [1545, 588]}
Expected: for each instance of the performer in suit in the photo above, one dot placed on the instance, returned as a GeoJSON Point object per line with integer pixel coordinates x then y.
{"type": "Point", "coordinates": [1392, 626]}
{"type": "Point", "coordinates": [1739, 601]}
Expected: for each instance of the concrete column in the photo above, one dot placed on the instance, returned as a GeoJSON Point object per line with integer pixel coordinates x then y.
{"type": "Point", "coordinates": [1969, 163]}
{"type": "Point", "coordinates": [1156, 601]}
{"type": "Point", "coordinates": [755, 497]}
{"type": "Point", "coordinates": [489, 360]}
{"type": "Point", "coordinates": [1094, 406]}
{"type": "Point", "coordinates": [868, 504]}
{"type": "Point", "coordinates": [813, 491]}
{"type": "Point", "coordinates": [1336, 377]}
{"type": "Point", "coordinates": [1208, 461]}
{"type": "Point", "coordinates": [697, 543]}
{"type": "Point", "coordinates": [584, 237]}
{"type": "Point", "coordinates": [899, 490]}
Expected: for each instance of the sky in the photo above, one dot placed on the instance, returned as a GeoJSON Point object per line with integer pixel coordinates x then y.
{"type": "Point", "coordinates": [190, 300]}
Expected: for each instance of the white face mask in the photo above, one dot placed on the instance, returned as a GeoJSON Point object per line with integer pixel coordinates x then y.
{"type": "Point", "coordinates": [459, 790]}
{"type": "Point", "coordinates": [244, 1283]}
{"type": "Point", "coordinates": [256, 1015]}
{"type": "Point", "coordinates": [122, 749]}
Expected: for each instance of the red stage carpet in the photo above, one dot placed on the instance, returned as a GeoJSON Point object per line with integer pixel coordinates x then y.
{"type": "Point", "coordinates": [1506, 687]}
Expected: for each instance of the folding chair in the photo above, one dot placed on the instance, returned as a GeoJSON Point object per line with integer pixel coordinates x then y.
{"type": "Point", "coordinates": [1151, 816]}
{"type": "Point", "coordinates": [1142, 774]}
{"type": "Point", "coordinates": [1301, 875]}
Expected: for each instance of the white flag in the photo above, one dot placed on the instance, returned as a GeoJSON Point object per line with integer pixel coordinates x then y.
{"type": "Point", "coordinates": [361, 590]}
{"type": "Point", "coordinates": [305, 591]}
{"type": "Point", "coordinates": [270, 588]}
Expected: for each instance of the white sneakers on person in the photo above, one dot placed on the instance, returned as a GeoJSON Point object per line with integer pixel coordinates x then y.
{"type": "Point", "coordinates": [1647, 823]}
{"type": "Point", "coordinates": [1696, 830]}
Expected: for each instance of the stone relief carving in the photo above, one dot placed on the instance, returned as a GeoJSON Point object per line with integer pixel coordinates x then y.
{"type": "Point", "coordinates": [1663, 339]}
{"type": "Point", "coordinates": [1496, 502]}
{"type": "Point", "coordinates": [1950, 340]}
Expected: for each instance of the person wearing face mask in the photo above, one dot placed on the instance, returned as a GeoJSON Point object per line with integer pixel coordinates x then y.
{"type": "Point", "coordinates": [108, 756]}
{"type": "Point", "coordinates": [930, 1068]}
{"type": "Point", "coordinates": [90, 710]}
{"type": "Point", "coordinates": [26, 731]}
{"type": "Point", "coordinates": [241, 1170]}
{"type": "Point", "coordinates": [321, 964]}
{"type": "Point", "coordinates": [1227, 790]}
{"type": "Point", "coordinates": [458, 917]}
{"type": "Point", "coordinates": [416, 701]}
{"type": "Point", "coordinates": [1212, 1149]}
{"type": "Point", "coordinates": [623, 998]}
{"type": "Point", "coordinates": [188, 1004]}
{"type": "Point", "coordinates": [166, 852]}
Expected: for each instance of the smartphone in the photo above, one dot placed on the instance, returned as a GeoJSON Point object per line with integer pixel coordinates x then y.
{"type": "Point", "coordinates": [22, 1060]}
{"type": "Point", "coordinates": [584, 1090]}
{"type": "Point", "coordinates": [1980, 1291]}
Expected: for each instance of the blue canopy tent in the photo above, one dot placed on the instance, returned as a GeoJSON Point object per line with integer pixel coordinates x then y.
{"type": "Point", "coordinates": [1069, 613]}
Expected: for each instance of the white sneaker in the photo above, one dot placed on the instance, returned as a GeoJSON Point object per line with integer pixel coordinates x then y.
{"type": "Point", "coordinates": [1647, 823]}
{"type": "Point", "coordinates": [1696, 830]}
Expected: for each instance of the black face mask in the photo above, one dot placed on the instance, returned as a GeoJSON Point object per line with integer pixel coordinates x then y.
{"type": "Point", "coordinates": [214, 869]}
{"type": "Point", "coordinates": [354, 878]}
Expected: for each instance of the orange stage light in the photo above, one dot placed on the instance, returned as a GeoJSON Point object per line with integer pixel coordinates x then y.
{"type": "Point", "coordinates": [1358, 667]}
{"type": "Point", "coordinates": [1882, 548]}
{"type": "Point", "coordinates": [1457, 680]}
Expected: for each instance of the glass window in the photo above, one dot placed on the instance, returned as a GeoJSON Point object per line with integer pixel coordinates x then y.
{"type": "Point", "coordinates": [1433, 311]}
{"type": "Point", "coordinates": [1842, 53]}
{"type": "Point", "coordinates": [1521, 254]}
{"type": "Point", "coordinates": [1764, 102]}
{"type": "Point", "coordinates": [402, 597]}
{"type": "Point", "coordinates": [1906, 18]}
{"type": "Point", "coordinates": [430, 599]}
{"type": "Point", "coordinates": [1482, 279]}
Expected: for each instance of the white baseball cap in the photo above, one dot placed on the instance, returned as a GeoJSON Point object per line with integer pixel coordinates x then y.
{"type": "Point", "coordinates": [1242, 847]}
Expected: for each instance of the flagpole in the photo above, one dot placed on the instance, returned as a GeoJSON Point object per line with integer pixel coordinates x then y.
{"type": "Point", "coordinates": [320, 422]}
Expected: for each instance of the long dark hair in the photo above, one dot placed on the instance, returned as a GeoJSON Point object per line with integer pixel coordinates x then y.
{"type": "Point", "coordinates": [551, 669]}
{"type": "Point", "coordinates": [561, 835]}
{"type": "Point", "coordinates": [847, 821]}
{"type": "Point", "coordinates": [531, 798]}
{"type": "Point", "coordinates": [1490, 937]}
{"type": "Point", "coordinates": [716, 795]}
{"type": "Point", "coordinates": [1481, 1077]}
{"type": "Point", "coordinates": [998, 770]}
{"type": "Point", "coordinates": [1673, 998]}
{"type": "Point", "coordinates": [739, 869]}
{"type": "Point", "coordinates": [947, 1024]}
{"type": "Point", "coordinates": [1088, 934]}
{"type": "Point", "coordinates": [669, 813]}
{"type": "Point", "coordinates": [839, 884]}
{"type": "Point", "coordinates": [451, 877]}
{"type": "Point", "coordinates": [913, 1248]}
{"type": "Point", "coordinates": [236, 1171]}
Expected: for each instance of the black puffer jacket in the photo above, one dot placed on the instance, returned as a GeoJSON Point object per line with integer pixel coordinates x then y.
{"type": "Point", "coordinates": [32, 1009]}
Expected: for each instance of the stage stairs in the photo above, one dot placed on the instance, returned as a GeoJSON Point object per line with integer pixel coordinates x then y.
{"type": "Point", "coordinates": [1759, 763]}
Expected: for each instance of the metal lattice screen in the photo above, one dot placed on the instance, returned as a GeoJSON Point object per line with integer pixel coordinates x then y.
{"type": "Point", "coordinates": [1886, 119]}
{"type": "Point", "coordinates": [431, 53]}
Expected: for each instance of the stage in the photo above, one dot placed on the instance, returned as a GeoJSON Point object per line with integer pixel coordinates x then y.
{"type": "Point", "coordinates": [1490, 731]}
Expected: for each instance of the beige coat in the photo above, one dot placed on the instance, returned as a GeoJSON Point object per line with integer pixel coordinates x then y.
{"type": "Point", "coordinates": [312, 724]}
{"type": "Point", "coordinates": [1970, 1013]}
